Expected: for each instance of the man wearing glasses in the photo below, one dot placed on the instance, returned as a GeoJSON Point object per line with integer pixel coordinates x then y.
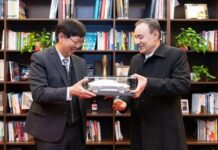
{"type": "Point", "coordinates": [57, 116]}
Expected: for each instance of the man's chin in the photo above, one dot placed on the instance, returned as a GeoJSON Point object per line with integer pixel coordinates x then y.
{"type": "Point", "coordinates": [72, 52]}
{"type": "Point", "coordinates": [142, 51]}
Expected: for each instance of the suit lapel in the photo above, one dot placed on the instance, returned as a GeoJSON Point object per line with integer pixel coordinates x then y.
{"type": "Point", "coordinates": [78, 76]}
{"type": "Point", "coordinates": [58, 65]}
{"type": "Point", "coordinates": [75, 67]}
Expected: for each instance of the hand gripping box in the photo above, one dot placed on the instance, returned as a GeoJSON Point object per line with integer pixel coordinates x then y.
{"type": "Point", "coordinates": [111, 86]}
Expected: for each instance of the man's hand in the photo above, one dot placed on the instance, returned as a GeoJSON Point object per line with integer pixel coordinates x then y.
{"type": "Point", "coordinates": [78, 90]}
{"type": "Point", "coordinates": [142, 83]}
{"type": "Point", "coordinates": [119, 105]}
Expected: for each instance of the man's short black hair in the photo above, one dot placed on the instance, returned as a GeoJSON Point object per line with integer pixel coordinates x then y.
{"type": "Point", "coordinates": [71, 28]}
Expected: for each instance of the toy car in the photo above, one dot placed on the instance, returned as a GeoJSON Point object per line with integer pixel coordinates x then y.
{"type": "Point", "coordinates": [105, 86]}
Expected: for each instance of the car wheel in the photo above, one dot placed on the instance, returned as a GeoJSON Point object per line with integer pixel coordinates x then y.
{"type": "Point", "coordinates": [95, 90]}
{"type": "Point", "coordinates": [122, 90]}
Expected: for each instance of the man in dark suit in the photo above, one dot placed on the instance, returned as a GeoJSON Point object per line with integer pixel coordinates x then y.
{"type": "Point", "coordinates": [163, 77]}
{"type": "Point", "coordinates": [57, 115]}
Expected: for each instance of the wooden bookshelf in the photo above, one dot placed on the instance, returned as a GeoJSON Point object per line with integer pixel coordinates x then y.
{"type": "Point", "coordinates": [38, 18]}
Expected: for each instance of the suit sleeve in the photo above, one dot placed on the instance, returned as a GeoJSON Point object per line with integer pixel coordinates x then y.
{"type": "Point", "coordinates": [39, 86]}
{"type": "Point", "coordinates": [177, 84]}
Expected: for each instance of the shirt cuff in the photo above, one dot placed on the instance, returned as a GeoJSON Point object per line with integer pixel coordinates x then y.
{"type": "Point", "coordinates": [69, 98]}
{"type": "Point", "coordinates": [117, 97]}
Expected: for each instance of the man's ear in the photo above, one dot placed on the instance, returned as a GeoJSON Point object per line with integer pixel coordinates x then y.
{"type": "Point", "coordinates": [156, 34]}
{"type": "Point", "coordinates": [60, 35]}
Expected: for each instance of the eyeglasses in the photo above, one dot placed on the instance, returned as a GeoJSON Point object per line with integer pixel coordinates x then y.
{"type": "Point", "coordinates": [77, 40]}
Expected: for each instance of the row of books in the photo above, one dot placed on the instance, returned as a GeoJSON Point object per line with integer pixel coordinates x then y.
{"type": "Point", "coordinates": [212, 39]}
{"type": "Point", "coordinates": [68, 8]}
{"type": "Point", "coordinates": [16, 9]}
{"type": "Point", "coordinates": [93, 130]}
{"type": "Point", "coordinates": [2, 64]}
{"type": "Point", "coordinates": [205, 103]}
{"type": "Point", "coordinates": [103, 9]}
{"type": "Point", "coordinates": [16, 132]}
{"type": "Point", "coordinates": [1, 131]}
{"type": "Point", "coordinates": [118, 133]}
{"type": "Point", "coordinates": [90, 41]}
{"type": "Point", "coordinates": [53, 9]}
{"type": "Point", "coordinates": [156, 9]}
{"type": "Point", "coordinates": [17, 40]}
{"type": "Point", "coordinates": [122, 8]}
{"type": "Point", "coordinates": [19, 102]}
{"type": "Point", "coordinates": [1, 9]}
{"type": "Point", "coordinates": [207, 129]}
{"type": "Point", "coordinates": [1, 102]}
{"type": "Point", "coordinates": [123, 40]}
{"type": "Point", "coordinates": [104, 41]}
{"type": "Point", "coordinates": [18, 71]}
{"type": "Point", "coordinates": [126, 40]}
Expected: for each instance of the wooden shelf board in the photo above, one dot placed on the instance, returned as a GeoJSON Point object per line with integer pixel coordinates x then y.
{"type": "Point", "coordinates": [99, 114]}
{"type": "Point", "coordinates": [21, 143]}
{"type": "Point", "coordinates": [103, 142]}
{"type": "Point", "coordinates": [193, 141]}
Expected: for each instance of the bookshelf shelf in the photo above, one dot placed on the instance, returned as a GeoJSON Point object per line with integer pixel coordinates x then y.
{"type": "Point", "coordinates": [21, 143]}
{"type": "Point", "coordinates": [194, 20]}
{"type": "Point", "coordinates": [205, 83]}
{"type": "Point", "coordinates": [17, 82]}
{"type": "Point", "coordinates": [95, 20]}
{"type": "Point", "coordinates": [103, 142]}
{"type": "Point", "coordinates": [123, 142]}
{"type": "Point", "coordinates": [192, 141]}
{"type": "Point", "coordinates": [94, 52]}
{"type": "Point", "coordinates": [122, 115]}
{"type": "Point", "coordinates": [16, 115]}
{"type": "Point", "coordinates": [194, 115]}
{"type": "Point", "coordinates": [99, 114]}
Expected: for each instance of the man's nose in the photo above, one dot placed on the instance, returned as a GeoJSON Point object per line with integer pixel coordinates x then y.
{"type": "Point", "coordinates": [137, 40]}
{"type": "Point", "coordinates": [78, 45]}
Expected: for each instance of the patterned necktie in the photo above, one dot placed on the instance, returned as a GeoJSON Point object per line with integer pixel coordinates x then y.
{"type": "Point", "coordinates": [65, 62]}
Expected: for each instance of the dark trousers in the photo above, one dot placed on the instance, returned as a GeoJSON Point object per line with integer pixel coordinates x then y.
{"type": "Point", "coordinates": [71, 140]}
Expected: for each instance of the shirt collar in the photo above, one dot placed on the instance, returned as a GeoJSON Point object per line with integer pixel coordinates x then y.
{"type": "Point", "coordinates": [61, 56]}
{"type": "Point", "coordinates": [148, 55]}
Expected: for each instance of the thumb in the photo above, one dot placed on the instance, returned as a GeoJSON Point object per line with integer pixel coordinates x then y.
{"type": "Point", "coordinates": [83, 80]}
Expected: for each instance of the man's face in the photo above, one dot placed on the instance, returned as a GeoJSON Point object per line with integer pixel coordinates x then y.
{"type": "Point", "coordinates": [70, 45]}
{"type": "Point", "coordinates": [145, 40]}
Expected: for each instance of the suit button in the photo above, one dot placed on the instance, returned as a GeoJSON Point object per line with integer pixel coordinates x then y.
{"type": "Point", "coordinates": [65, 112]}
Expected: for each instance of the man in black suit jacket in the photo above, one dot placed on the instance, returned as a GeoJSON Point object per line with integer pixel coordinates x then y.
{"type": "Point", "coordinates": [57, 115]}
{"type": "Point", "coordinates": [163, 77]}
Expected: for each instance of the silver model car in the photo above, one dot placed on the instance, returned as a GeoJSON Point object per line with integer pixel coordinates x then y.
{"type": "Point", "coordinates": [99, 86]}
